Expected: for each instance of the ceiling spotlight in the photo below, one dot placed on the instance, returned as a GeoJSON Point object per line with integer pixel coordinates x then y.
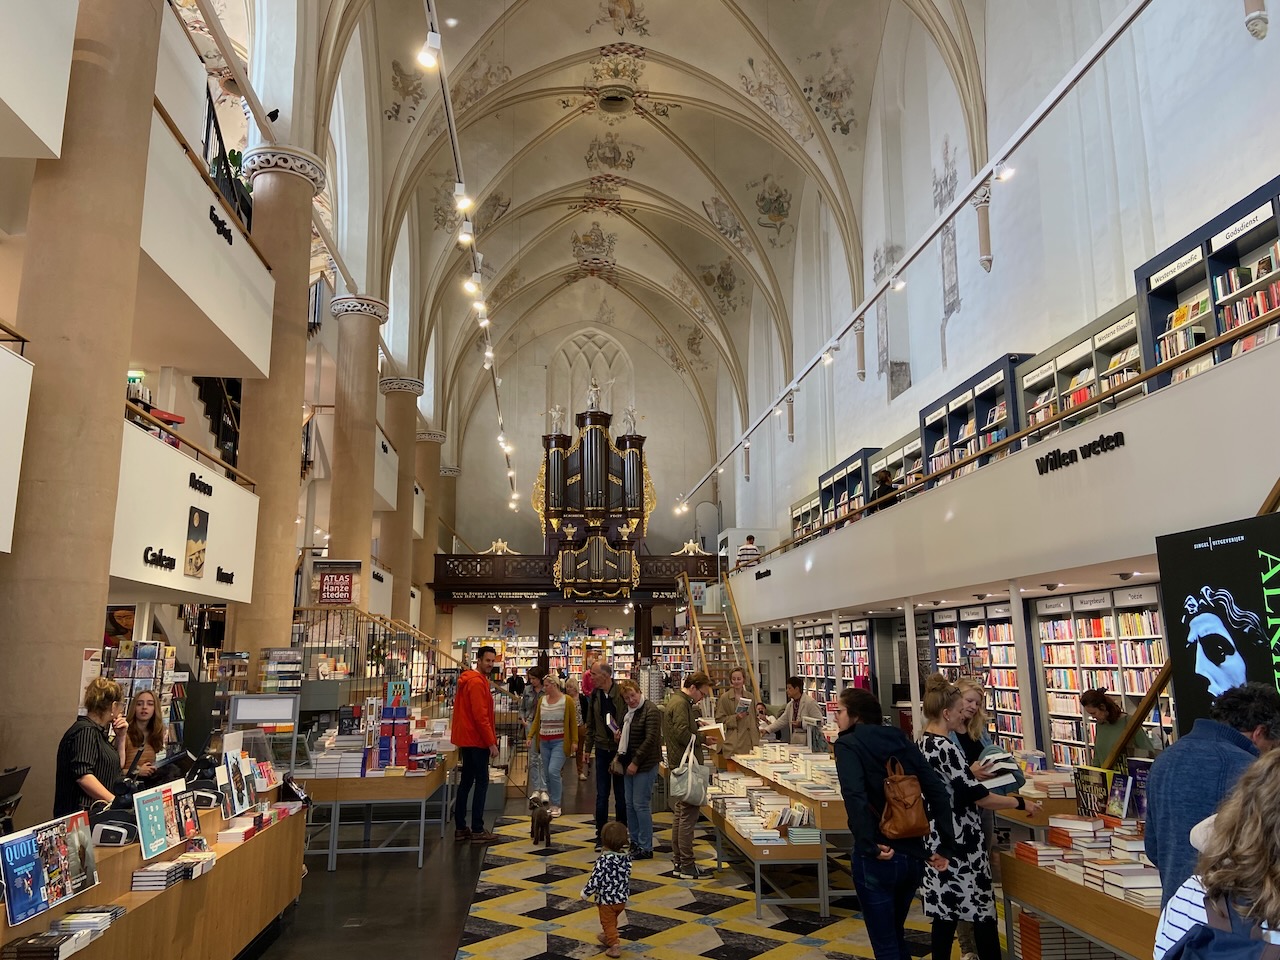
{"type": "Point", "coordinates": [479, 305]}
{"type": "Point", "coordinates": [896, 282]}
{"type": "Point", "coordinates": [488, 353]}
{"type": "Point", "coordinates": [515, 495]}
{"type": "Point", "coordinates": [508, 449]}
{"type": "Point", "coordinates": [746, 444]}
{"type": "Point", "coordinates": [1051, 586]}
{"type": "Point", "coordinates": [981, 596]}
{"type": "Point", "coordinates": [460, 199]}
{"type": "Point", "coordinates": [488, 364]}
{"type": "Point", "coordinates": [453, 22]}
{"type": "Point", "coordinates": [721, 470]}
{"type": "Point", "coordinates": [467, 232]}
{"type": "Point", "coordinates": [429, 55]}
{"type": "Point", "coordinates": [502, 441]}
{"type": "Point", "coordinates": [777, 411]}
{"type": "Point", "coordinates": [1003, 171]}
{"type": "Point", "coordinates": [483, 321]}
{"type": "Point", "coordinates": [472, 283]}
{"type": "Point", "coordinates": [827, 357]}
{"type": "Point", "coordinates": [1127, 576]}
{"type": "Point", "coordinates": [511, 474]}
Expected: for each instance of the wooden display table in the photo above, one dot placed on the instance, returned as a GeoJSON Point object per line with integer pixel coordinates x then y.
{"type": "Point", "coordinates": [1037, 824]}
{"type": "Point", "coordinates": [368, 792]}
{"type": "Point", "coordinates": [1121, 927]}
{"type": "Point", "coordinates": [212, 917]}
{"type": "Point", "coordinates": [763, 855]}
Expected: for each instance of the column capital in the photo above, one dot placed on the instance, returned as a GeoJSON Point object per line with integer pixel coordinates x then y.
{"type": "Point", "coordinates": [431, 436]}
{"type": "Point", "coordinates": [368, 306]}
{"type": "Point", "coordinates": [279, 159]}
{"type": "Point", "coordinates": [400, 385]}
{"type": "Point", "coordinates": [983, 196]}
{"type": "Point", "coordinates": [453, 472]}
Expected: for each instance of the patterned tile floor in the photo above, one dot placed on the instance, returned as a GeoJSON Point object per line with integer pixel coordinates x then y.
{"type": "Point", "coordinates": [526, 906]}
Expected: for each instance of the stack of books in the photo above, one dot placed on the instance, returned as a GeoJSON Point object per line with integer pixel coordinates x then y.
{"type": "Point", "coordinates": [1071, 867]}
{"type": "Point", "coordinates": [1040, 854]}
{"type": "Point", "coordinates": [1095, 871]}
{"type": "Point", "coordinates": [46, 946]}
{"type": "Point", "coordinates": [197, 863]}
{"type": "Point", "coordinates": [237, 830]}
{"type": "Point", "coordinates": [95, 919]}
{"type": "Point", "coordinates": [1121, 879]}
{"type": "Point", "coordinates": [158, 876]}
{"type": "Point", "coordinates": [803, 835]}
{"type": "Point", "coordinates": [1128, 844]}
{"type": "Point", "coordinates": [1035, 938]}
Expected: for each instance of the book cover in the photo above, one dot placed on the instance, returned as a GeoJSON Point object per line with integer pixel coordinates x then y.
{"type": "Point", "coordinates": [1093, 787]}
{"type": "Point", "coordinates": [23, 877]}
{"type": "Point", "coordinates": [247, 774]}
{"type": "Point", "coordinates": [188, 816]}
{"type": "Point", "coordinates": [1118, 798]}
{"type": "Point", "coordinates": [83, 864]}
{"type": "Point", "coordinates": [172, 832]}
{"type": "Point", "coordinates": [744, 706]}
{"type": "Point", "coordinates": [148, 808]}
{"type": "Point", "coordinates": [224, 788]}
{"type": "Point", "coordinates": [55, 861]}
{"type": "Point", "coordinates": [1139, 769]}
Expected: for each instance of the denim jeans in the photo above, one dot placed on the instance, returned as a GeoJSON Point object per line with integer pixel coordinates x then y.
{"type": "Point", "coordinates": [639, 791]}
{"type": "Point", "coordinates": [604, 782]}
{"type": "Point", "coordinates": [552, 763]}
{"type": "Point", "coordinates": [475, 773]}
{"type": "Point", "coordinates": [885, 891]}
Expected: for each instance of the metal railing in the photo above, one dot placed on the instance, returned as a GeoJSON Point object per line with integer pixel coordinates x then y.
{"type": "Point", "coordinates": [214, 154]}
{"type": "Point", "coordinates": [163, 431]}
{"type": "Point", "coordinates": [10, 335]}
{"type": "Point", "coordinates": [1027, 437]}
{"type": "Point", "coordinates": [366, 651]}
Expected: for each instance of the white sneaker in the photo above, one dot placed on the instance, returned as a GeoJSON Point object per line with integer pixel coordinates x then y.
{"type": "Point", "coordinates": [555, 811]}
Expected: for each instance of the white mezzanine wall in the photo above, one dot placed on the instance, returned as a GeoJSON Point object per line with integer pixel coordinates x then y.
{"type": "Point", "coordinates": [678, 449]}
{"type": "Point", "coordinates": [1129, 162]}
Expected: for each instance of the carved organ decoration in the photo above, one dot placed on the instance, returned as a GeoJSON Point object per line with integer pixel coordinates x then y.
{"type": "Point", "coordinates": [594, 497]}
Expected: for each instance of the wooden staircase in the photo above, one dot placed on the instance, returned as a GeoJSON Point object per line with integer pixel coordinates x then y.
{"type": "Point", "coordinates": [717, 638]}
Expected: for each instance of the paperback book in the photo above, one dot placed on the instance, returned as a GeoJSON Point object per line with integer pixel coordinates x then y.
{"type": "Point", "coordinates": [46, 865]}
{"type": "Point", "coordinates": [1139, 769]}
{"type": "Point", "coordinates": [1093, 788]}
{"type": "Point", "coordinates": [1119, 796]}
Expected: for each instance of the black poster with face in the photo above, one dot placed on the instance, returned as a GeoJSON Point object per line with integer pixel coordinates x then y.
{"type": "Point", "coordinates": [1220, 590]}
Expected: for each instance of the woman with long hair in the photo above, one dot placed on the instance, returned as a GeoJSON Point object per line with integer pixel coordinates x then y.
{"type": "Point", "coordinates": [1239, 859]}
{"type": "Point", "coordinates": [555, 731]}
{"type": "Point", "coordinates": [973, 737]}
{"type": "Point", "coordinates": [145, 734]}
{"type": "Point", "coordinates": [964, 891]}
{"type": "Point", "coordinates": [1109, 722]}
{"type": "Point", "coordinates": [639, 750]}
{"type": "Point", "coordinates": [741, 731]}
{"type": "Point", "coordinates": [88, 769]}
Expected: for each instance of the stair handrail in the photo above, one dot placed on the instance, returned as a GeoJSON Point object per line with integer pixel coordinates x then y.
{"type": "Point", "coordinates": [682, 580]}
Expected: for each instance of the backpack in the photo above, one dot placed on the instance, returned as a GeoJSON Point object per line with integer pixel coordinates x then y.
{"type": "Point", "coordinates": [1227, 936]}
{"type": "Point", "coordinates": [904, 814]}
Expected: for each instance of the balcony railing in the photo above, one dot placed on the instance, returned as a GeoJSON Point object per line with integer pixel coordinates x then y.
{"type": "Point", "coordinates": [215, 156]}
{"type": "Point", "coordinates": [165, 432]}
{"type": "Point", "coordinates": [10, 335]}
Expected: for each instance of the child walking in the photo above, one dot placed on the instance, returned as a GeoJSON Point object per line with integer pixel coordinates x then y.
{"type": "Point", "coordinates": [610, 883]}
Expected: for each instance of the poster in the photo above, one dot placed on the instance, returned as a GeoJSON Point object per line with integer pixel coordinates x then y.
{"type": "Point", "coordinates": [1220, 591]}
{"type": "Point", "coordinates": [336, 587]}
{"type": "Point", "coordinates": [197, 541]}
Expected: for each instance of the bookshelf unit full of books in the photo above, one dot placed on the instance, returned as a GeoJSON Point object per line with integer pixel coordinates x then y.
{"type": "Point", "coordinates": [956, 429]}
{"type": "Point", "coordinates": [1103, 355]}
{"type": "Point", "coordinates": [1210, 283]}
{"type": "Point", "coordinates": [806, 515]}
{"type": "Point", "coordinates": [846, 486]}
{"type": "Point", "coordinates": [904, 462]}
{"type": "Point", "coordinates": [946, 643]}
{"type": "Point", "coordinates": [1004, 701]}
{"type": "Point", "coordinates": [855, 651]}
{"type": "Point", "coordinates": [815, 658]}
{"type": "Point", "coordinates": [1106, 639]}
{"type": "Point", "coordinates": [673, 654]}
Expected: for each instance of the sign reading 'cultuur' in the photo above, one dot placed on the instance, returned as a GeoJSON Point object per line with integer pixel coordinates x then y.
{"type": "Point", "coordinates": [1061, 459]}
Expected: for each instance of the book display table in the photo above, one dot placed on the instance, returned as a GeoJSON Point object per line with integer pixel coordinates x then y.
{"type": "Point", "coordinates": [213, 917]}
{"type": "Point", "coordinates": [762, 855]}
{"type": "Point", "coordinates": [433, 789]}
{"type": "Point", "coordinates": [1037, 824]}
{"type": "Point", "coordinates": [1123, 928]}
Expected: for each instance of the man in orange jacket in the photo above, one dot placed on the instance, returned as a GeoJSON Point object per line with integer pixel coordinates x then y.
{"type": "Point", "coordinates": [476, 737]}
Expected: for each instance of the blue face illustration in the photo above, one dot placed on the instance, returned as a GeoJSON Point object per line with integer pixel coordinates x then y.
{"type": "Point", "coordinates": [1218, 657]}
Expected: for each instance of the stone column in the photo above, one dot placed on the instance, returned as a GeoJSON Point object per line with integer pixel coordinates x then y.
{"type": "Point", "coordinates": [448, 513]}
{"type": "Point", "coordinates": [355, 413]}
{"type": "Point", "coordinates": [76, 304]}
{"type": "Point", "coordinates": [427, 456]}
{"type": "Point", "coordinates": [285, 181]}
{"type": "Point", "coordinates": [396, 537]}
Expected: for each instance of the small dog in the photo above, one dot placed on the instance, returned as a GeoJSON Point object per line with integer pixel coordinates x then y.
{"type": "Point", "coordinates": [540, 824]}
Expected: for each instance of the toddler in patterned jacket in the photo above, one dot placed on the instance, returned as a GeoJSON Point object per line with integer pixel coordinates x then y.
{"type": "Point", "coordinates": [610, 884]}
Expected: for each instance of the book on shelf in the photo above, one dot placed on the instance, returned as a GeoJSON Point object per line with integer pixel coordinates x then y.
{"type": "Point", "coordinates": [1139, 768]}
{"type": "Point", "coordinates": [1119, 796]}
{"type": "Point", "coordinates": [1093, 788]}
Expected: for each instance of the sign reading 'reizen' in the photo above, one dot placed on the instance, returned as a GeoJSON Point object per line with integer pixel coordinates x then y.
{"type": "Point", "coordinates": [1061, 459]}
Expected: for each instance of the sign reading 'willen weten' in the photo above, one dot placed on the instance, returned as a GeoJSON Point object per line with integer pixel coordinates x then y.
{"type": "Point", "coordinates": [1061, 459]}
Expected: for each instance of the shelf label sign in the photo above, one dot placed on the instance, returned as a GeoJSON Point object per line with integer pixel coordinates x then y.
{"type": "Point", "coordinates": [960, 402]}
{"type": "Point", "coordinates": [998, 610]}
{"type": "Point", "coordinates": [1054, 605]}
{"type": "Point", "coordinates": [971, 613]}
{"type": "Point", "coordinates": [1078, 352]}
{"type": "Point", "coordinates": [1220, 588]}
{"type": "Point", "coordinates": [1092, 601]}
{"type": "Point", "coordinates": [994, 380]}
{"type": "Point", "coordinates": [1242, 226]}
{"type": "Point", "coordinates": [912, 447]}
{"type": "Point", "coordinates": [1038, 375]}
{"type": "Point", "coordinates": [945, 616]}
{"type": "Point", "coordinates": [934, 417]}
{"type": "Point", "coordinates": [1183, 263]}
{"type": "Point", "coordinates": [878, 465]}
{"type": "Point", "coordinates": [1136, 596]}
{"type": "Point", "coordinates": [1116, 330]}
{"type": "Point", "coordinates": [859, 626]}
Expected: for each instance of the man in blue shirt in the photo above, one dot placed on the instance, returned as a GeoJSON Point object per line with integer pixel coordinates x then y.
{"type": "Point", "coordinates": [1190, 779]}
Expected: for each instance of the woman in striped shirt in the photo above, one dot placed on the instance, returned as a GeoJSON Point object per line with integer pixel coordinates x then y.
{"type": "Point", "coordinates": [88, 767]}
{"type": "Point", "coordinates": [1239, 859]}
{"type": "Point", "coordinates": [555, 730]}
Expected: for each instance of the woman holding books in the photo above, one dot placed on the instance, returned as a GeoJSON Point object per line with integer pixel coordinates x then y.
{"type": "Point", "coordinates": [735, 710]}
{"type": "Point", "coordinates": [964, 891]}
{"type": "Point", "coordinates": [1109, 722]}
{"type": "Point", "coordinates": [555, 731]}
{"type": "Point", "coordinates": [886, 871]}
{"type": "Point", "coordinates": [144, 735]}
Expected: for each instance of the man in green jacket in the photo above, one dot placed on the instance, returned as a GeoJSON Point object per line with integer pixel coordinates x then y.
{"type": "Point", "coordinates": [679, 725]}
{"type": "Point", "coordinates": [604, 728]}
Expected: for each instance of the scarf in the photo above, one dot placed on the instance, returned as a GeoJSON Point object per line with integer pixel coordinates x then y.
{"type": "Point", "coordinates": [626, 727]}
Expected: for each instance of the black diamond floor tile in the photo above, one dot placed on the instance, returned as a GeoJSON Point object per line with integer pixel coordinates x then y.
{"type": "Point", "coordinates": [642, 925]}
{"type": "Point", "coordinates": [555, 908]}
{"type": "Point", "coordinates": [740, 946]}
{"type": "Point", "coordinates": [492, 891]}
{"type": "Point", "coordinates": [705, 903]}
{"type": "Point", "coordinates": [478, 929]}
{"type": "Point", "coordinates": [555, 873]}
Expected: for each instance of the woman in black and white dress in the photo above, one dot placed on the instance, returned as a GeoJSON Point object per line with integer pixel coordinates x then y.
{"type": "Point", "coordinates": [962, 892]}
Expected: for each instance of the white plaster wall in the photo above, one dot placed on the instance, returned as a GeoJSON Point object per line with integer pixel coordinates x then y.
{"type": "Point", "coordinates": [35, 71]}
{"type": "Point", "coordinates": [15, 397]}
{"type": "Point", "coordinates": [181, 79]}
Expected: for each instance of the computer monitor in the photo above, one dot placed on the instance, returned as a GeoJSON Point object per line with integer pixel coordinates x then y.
{"type": "Point", "coordinates": [902, 693]}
